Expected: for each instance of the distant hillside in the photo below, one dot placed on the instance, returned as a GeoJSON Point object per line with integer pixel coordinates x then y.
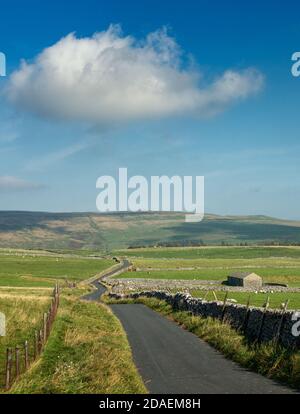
{"type": "Point", "coordinates": [110, 231]}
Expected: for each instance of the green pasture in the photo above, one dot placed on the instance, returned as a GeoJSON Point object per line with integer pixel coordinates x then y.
{"type": "Point", "coordinates": [243, 252]}
{"type": "Point", "coordinates": [43, 271]}
{"type": "Point", "coordinates": [269, 275]}
{"type": "Point", "coordinates": [273, 264]}
{"type": "Point", "coordinates": [276, 299]}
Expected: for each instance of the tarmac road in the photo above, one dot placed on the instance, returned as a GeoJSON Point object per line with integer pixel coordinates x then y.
{"type": "Point", "coordinates": [100, 289]}
{"type": "Point", "coordinates": [174, 361]}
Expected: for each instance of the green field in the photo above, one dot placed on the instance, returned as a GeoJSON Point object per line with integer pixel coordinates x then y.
{"type": "Point", "coordinates": [276, 299]}
{"type": "Point", "coordinates": [216, 263]}
{"type": "Point", "coordinates": [87, 351]}
{"type": "Point", "coordinates": [273, 264]}
{"type": "Point", "coordinates": [269, 275]}
{"type": "Point", "coordinates": [238, 252]}
{"type": "Point", "coordinates": [42, 271]}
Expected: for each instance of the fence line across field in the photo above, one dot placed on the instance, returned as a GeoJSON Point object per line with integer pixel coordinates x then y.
{"type": "Point", "coordinates": [18, 358]}
{"type": "Point", "coordinates": [226, 300]}
{"type": "Point", "coordinates": [266, 305]}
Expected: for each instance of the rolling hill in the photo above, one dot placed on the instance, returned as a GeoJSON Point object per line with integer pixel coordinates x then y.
{"type": "Point", "coordinates": [112, 231]}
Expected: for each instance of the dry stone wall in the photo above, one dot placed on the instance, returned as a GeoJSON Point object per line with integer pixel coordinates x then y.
{"type": "Point", "coordinates": [257, 324]}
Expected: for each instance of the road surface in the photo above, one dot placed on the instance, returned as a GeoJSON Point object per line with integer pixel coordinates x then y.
{"type": "Point", "coordinates": [99, 288]}
{"type": "Point", "coordinates": [174, 361]}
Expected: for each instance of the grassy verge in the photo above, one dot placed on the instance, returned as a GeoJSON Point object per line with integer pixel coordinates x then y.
{"type": "Point", "coordinates": [279, 364]}
{"type": "Point", "coordinates": [23, 310]}
{"type": "Point", "coordinates": [87, 352]}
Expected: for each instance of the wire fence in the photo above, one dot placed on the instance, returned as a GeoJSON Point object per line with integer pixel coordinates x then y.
{"type": "Point", "coordinates": [19, 358]}
{"type": "Point", "coordinates": [265, 306]}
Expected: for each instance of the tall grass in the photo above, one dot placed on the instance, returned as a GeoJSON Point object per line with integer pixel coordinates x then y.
{"type": "Point", "coordinates": [24, 312]}
{"type": "Point", "coordinates": [87, 352]}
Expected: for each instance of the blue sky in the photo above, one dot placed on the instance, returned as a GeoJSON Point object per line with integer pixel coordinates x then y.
{"type": "Point", "coordinates": [247, 147]}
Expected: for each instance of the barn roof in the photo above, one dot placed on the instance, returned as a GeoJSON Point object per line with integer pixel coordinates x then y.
{"type": "Point", "coordinates": [242, 275]}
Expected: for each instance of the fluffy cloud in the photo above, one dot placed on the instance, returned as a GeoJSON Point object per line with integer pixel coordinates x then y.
{"type": "Point", "coordinates": [111, 78]}
{"type": "Point", "coordinates": [10, 183]}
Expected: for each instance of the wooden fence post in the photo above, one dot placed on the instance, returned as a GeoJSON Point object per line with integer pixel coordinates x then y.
{"type": "Point", "coordinates": [56, 303]}
{"type": "Point", "coordinates": [26, 356]}
{"type": "Point", "coordinates": [266, 305]}
{"type": "Point", "coordinates": [8, 368]}
{"type": "Point", "coordinates": [48, 323]}
{"type": "Point", "coordinates": [224, 306]}
{"type": "Point", "coordinates": [36, 345]}
{"type": "Point", "coordinates": [245, 323]}
{"type": "Point", "coordinates": [280, 325]}
{"type": "Point", "coordinates": [52, 310]}
{"type": "Point", "coordinates": [40, 340]}
{"type": "Point", "coordinates": [45, 328]}
{"type": "Point", "coordinates": [17, 361]}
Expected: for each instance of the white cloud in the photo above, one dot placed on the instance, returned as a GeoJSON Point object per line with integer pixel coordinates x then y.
{"type": "Point", "coordinates": [110, 78]}
{"type": "Point", "coordinates": [10, 183]}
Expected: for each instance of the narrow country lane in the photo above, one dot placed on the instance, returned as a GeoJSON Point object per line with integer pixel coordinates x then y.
{"type": "Point", "coordinates": [174, 361]}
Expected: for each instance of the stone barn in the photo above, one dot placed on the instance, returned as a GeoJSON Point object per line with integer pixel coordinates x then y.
{"type": "Point", "coordinates": [247, 280]}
